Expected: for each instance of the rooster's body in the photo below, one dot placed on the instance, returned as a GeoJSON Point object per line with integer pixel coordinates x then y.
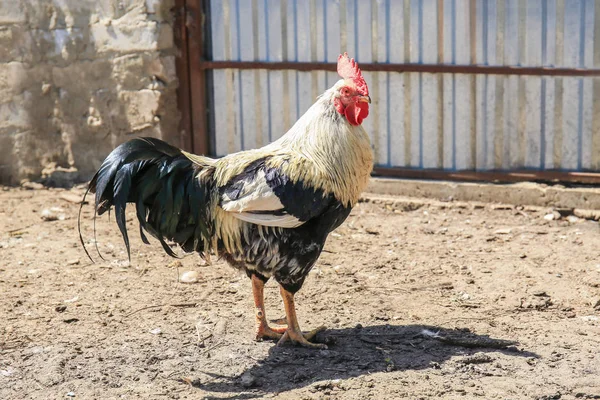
{"type": "Point", "coordinates": [266, 211]}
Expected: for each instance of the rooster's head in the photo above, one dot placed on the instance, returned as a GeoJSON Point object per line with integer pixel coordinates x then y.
{"type": "Point", "coordinates": [351, 97]}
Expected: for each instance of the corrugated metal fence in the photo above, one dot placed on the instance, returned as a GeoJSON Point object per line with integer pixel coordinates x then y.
{"type": "Point", "coordinates": [450, 121]}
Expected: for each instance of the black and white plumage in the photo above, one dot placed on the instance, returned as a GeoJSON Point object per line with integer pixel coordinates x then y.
{"type": "Point", "coordinates": [281, 225]}
{"type": "Point", "coordinates": [266, 211]}
{"type": "Point", "coordinates": [304, 216]}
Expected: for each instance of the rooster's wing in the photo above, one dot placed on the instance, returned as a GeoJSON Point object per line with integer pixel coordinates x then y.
{"type": "Point", "coordinates": [266, 196]}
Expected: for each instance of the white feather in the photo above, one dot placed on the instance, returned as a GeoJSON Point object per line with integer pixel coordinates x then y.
{"type": "Point", "coordinates": [258, 196]}
{"type": "Point", "coordinates": [280, 221]}
{"type": "Point", "coordinates": [255, 196]}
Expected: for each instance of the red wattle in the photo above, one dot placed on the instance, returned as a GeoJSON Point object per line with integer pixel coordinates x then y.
{"type": "Point", "coordinates": [356, 113]}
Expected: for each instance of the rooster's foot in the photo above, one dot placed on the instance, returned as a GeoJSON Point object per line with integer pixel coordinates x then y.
{"type": "Point", "coordinates": [266, 332]}
{"type": "Point", "coordinates": [302, 339]}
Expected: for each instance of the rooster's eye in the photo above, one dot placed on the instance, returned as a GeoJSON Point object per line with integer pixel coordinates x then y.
{"type": "Point", "coordinates": [345, 92]}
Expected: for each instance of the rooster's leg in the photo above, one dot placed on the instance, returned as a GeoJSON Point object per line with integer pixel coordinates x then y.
{"type": "Point", "coordinates": [263, 331]}
{"type": "Point", "coordinates": [293, 332]}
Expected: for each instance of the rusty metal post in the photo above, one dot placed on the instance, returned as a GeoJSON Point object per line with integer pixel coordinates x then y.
{"type": "Point", "coordinates": [190, 21]}
{"type": "Point", "coordinates": [183, 75]}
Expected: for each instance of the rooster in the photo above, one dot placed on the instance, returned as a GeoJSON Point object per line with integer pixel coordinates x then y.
{"type": "Point", "coordinates": [266, 211]}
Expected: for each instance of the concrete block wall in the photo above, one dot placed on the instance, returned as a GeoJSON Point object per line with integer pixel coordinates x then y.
{"type": "Point", "coordinates": [78, 77]}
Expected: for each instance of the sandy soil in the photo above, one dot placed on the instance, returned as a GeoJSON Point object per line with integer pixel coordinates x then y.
{"type": "Point", "coordinates": [475, 277]}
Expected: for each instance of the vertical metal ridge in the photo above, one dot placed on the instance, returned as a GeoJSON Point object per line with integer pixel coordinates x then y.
{"type": "Point", "coordinates": [406, 28]}
{"type": "Point", "coordinates": [500, 80]}
{"type": "Point", "coordinates": [284, 33]}
{"type": "Point", "coordinates": [229, 77]}
{"type": "Point", "coordinates": [343, 27]}
{"type": "Point", "coordinates": [473, 81]}
{"type": "Point", "coordinates": [522, 120]}
{"type": "Point", "coordinates": [376, 125]}
{"type": "Point", "coordinates": [486, 81]}
{"type": "Point", "coordinates": [356, 46]}
{"type": "Point", "coordinates": [325, 41]}
{"type": "Point", "coordinates": [558, 122]}
{"type": "Point", "coordinates": [268, 58]}
{"type": "Point", "coordinates": [375, 77]}
{"type": "Point", "coordinates": [560, 32]}
{"type": "Point", "coordinates": [420, 38]}
{"type": "Point", "coordinates": [374, 32]}
{"type": "Point", "coordinates": [596, 93]}
{"type": "Point", "coordinates": [521, 94]}
{"type": "Point", "coordinates": [314, 75]}
{"type": "Point", "coordinates": [558, 82]}
{"type": "Point", "coordinates": [472, 14]}
{"type": "Point", "coordinates": [522, 34]}
{"type": "Point", "coordinates": [295, 2]}
{"type": "Point", "coordinates": [387, 83]}
{"type": "Point", "coordinates": [543, 92]}
{"type": "Point", "coordinates": [453, 12]}
{"type": "Point", "coordinates": [285, 74]}
{"type": "Point", "coordinates": [407, 87]}
{"type": "Point", "coordinates": [239, 75]}
{"type": "Point", "coordinates": [580, 88]}
{"type": "Point", "coordinates": [440, 82]}
{"type": "Point", "coordinates": [257, 92]}
{"type": "Point", "coordinates": [580, 126]}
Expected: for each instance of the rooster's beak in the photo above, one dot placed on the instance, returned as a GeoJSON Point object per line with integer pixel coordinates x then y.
{"type": "Point", "coordinates": [364, 99]}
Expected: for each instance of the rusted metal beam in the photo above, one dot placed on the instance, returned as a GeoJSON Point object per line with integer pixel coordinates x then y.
{"type": "Point", "coordinates": [183, 75]}
{"type": "Point", "coordinates": [490, 176]}
{"type": "Point", "coordinates": [195, 22]}
{"type": "Point", "coordinates": [428, 68]}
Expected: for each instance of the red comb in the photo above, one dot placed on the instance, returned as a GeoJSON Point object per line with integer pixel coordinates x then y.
{"type": "Point", "coordinates": [348, 69]}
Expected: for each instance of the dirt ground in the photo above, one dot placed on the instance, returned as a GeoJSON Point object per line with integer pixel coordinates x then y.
{"type": "Point", "coordinates": [422, 299]}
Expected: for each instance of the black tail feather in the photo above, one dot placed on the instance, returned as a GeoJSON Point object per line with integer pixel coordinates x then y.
{"type": "Point", "coordinates": [172, 204]}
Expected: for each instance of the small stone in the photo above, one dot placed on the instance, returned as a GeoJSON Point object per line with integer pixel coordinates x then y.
{"type": "Point", "coordinates": [72, 300]}
{"type": "Point", "coordinates": [505, 231]}
{"type": "Point", "coordinates": [540, 293]}
{"type": "Point", "coordinates": [189, 277]}
{"type": "Point", "coordinates": [549, 217]}
{"type": "Point", "coordinates": [48, 215]}
{"type": "Point", "coordinates": [60, 308]}
{"type": "Point", "coordinates": [156, 331]}
{"type": "Point", "coordinates": [32, 185]}
{"type": "Point", "coordinates": [71, 394]}
{"type": "Point", "coordinates": [53, 214]}
{"type": "Point", "coordinates": [248, 380]}
{"type": "Point", "coordinates": [73, 262]}
{"type": "Point", "coordinates": [46, 88]}
{"type": "Point", "coordinates": [596, 304]}
{"type": "Point", "coordinates": [572, 219]}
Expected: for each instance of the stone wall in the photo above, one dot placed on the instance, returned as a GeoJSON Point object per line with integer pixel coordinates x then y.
{"type": "Point", "coordinates": [78, 77]}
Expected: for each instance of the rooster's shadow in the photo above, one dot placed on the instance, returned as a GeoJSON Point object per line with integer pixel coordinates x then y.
{"type": "Point", "coordinates": [358, 351]}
